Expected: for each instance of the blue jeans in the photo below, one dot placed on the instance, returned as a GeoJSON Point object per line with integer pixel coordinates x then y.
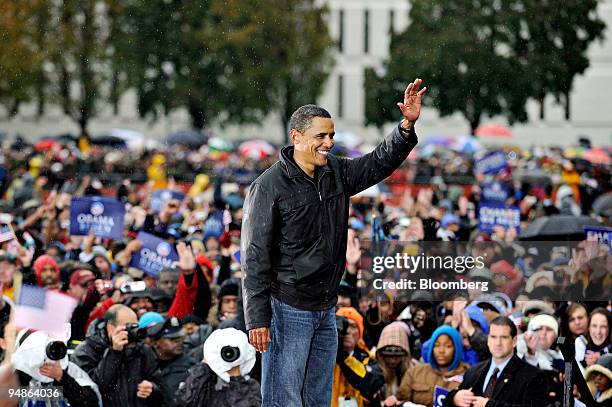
{"type": "Point", "coordinates": [298, 368]}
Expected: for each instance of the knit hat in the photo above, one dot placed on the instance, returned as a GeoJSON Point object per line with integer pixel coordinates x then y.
{"type": "Point", "coordinates": [541, 320]}
{"type": "Point", "coordinates": [150, 318]}
{"type": "Point", "coordinates": [43, 261]}
{"type": "Point", "coordinates": [503, 267]}
{"type": "Point", "coordinates": [352, 313]}
{"type": "Point", "coordinates": [546, 275]}
{"type": "Point", "coordinates": [394, 340]}
{"type": "Point", "coordinates": [229, 287]}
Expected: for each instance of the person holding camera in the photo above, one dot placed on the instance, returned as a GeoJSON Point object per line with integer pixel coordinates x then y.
{"type": "Point", "coordinates": [167, 342]}
{"type": "Point", "coordinates": [41, 363]}
{"type": "Point", "coordinates": [222, 379]}
{"type": "Point", "coordinates": [358, 379]}
{"type": "Point", "coordinates": [125, 369]}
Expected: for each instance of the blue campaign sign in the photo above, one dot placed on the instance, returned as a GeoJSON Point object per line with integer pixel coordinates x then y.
{"type": "Point", "coordinates": [491, 214]}
{"type": "Point", "coordinates": [495, 192]}
{"type": "Point", "coordinates": [105, 215]}
{"type": "Point", "coordinates": [160, 197]}
{"type": "Point", "coordinates": [154, 254]}
{"type": "Point", "coordinates": [491, 163]}
{"type": "Point", "coordinates": [603, 235]}
{"type": "Point", "coordinates": [440, 394]}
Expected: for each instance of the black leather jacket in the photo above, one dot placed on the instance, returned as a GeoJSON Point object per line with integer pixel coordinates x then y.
{"type": "Point", "coordinates": [294, 228]}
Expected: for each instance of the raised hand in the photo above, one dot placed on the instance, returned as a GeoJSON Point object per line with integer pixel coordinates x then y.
{"type": "Point", "coordinates": [411, 108]}
{"type": "Point", "coordinates": [186, 259]}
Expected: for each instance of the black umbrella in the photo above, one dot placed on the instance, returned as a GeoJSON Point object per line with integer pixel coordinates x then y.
{"type": "Point", "coordinates": [191, 138]}
{"type": "Point", "coordinates": [558, 227]}
{"type": "Point", "coordinates": [603, 205]}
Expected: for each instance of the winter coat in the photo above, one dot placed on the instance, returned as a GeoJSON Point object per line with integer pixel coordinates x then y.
{"type": "Point", "coordinates": [118, 373]}
{"type": "Point", "coordinates": [294, 229]}
{"type": "Point", "coordinates": [172, 374]}
{"type": "Point", "coordinates": [358, 376]}
{"type": "Point", "coordinates": [419, 382]}
{"type": "Point", "coordinates": [204, 388]}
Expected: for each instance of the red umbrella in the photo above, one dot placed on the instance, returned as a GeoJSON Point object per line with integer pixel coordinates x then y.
{"type": "Point", "coordinates": [256, 149]}
{"type": "Point", "coordinates": [45, 144]}
{"type": "Point", "coordinates": [597, 156]}
{"type": "Point", "coordinates": [493, 130]}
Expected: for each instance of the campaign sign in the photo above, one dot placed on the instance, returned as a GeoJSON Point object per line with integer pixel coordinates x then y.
{"type": "Point", "coordinates": [440, 394]}
{"type": "Point", "coordinates": [491, 163]}
{"type": "Point", "coordinates": [603, 235]}
{"type": "Point", "coordinates": [159, 198]}
{"type": "Point", "coordinates": [154, 255]}
{"type": "Point", "coordinates": [495, 192]}
{"type": "Point", "coordinates": [102, 214]}
{"type": "Point", "coordinates": [491, 214]}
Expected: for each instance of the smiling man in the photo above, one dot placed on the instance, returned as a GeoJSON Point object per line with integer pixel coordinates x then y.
{"type": "Point", "coordinates": [294, 236]}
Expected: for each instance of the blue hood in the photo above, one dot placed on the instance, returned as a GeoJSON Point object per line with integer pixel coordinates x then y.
{"type": "Point", "coordinates": [455, 337]}
{"type": "Point", "coordinates": [476, 314]}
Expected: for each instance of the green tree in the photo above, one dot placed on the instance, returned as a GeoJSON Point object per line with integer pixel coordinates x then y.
{"type": "Point", "coordinates": [485, 57]}
{"type": "Point", "coordinates": [555, 47]}
{"type": "Point", "coordinates": [204, 56]}
{"type": "Point", "coordinates": [302, 60]}
{"type": "Point", "coordinates": [457, 47]}
{"type": "Point", "coordinates": [22, 52]}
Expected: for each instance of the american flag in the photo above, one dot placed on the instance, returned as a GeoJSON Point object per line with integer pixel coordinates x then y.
{"type": "Point", "coordinates": [43, 310]}
{"type": "Point", "coordinates": [227, 217]}
{"type": "Point", "coordinates": [6, 233]}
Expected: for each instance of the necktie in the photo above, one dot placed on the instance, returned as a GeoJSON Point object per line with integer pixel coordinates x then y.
{"type": "Point", "coordinates": [491, 385]}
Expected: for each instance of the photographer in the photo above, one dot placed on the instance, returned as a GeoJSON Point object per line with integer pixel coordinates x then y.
{"type": "Point", "coordinates": [125, 369]}
{"type": "Point", "coordinates": [357, 377]}
{"type": "Point", "coordinates": [41, 363]}
{"type": "Point", "coordinates": [222, 377]}
{"type": "Point", "coordinates": [167, 342]}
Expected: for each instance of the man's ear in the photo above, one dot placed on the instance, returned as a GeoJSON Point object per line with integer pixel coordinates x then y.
{"type": "Point", "coordinates": [294, 135]}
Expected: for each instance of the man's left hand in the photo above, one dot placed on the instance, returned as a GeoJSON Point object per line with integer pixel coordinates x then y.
{"type": "Point", "coordinates": [52, 370]}
{"type": "Point", "coordinates": [145, 388]}
{"type": "Point", "coordinates": [480, 402]}
{"type": "Point", "coordinates": [411, 108]}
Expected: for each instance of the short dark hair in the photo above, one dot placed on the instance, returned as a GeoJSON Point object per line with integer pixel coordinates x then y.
{"type": "Point", "coordinates": [113, 312]}
{"type": "Point", "coordinates": [301, 119]}
{"type": "Point", "coordinates": [505, 321]}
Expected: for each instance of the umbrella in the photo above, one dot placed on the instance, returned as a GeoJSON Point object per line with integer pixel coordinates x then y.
{"type": "Point", "coordinates": [45, 144]}
{"type": "Point", "coordinates": [191, 138]}
{"type": "Point", "coordinates": [603, 205]}
{"type": "Point", "coordinates": [220, 144]}
{"type": "Point", "coordinates": [347, 139]}
{"type": "Point", "coordinates": [535, 176]}
{"type": "Point", "coordinates": [493, 130]}
{"type": "Point", "coordinates": [558, 227]}
{"type": "Point", "coordinates": [466, 145]}
{"type": "Point", "coordinates": [134, 139]}
{"type": "Point", "coordinates": [443, 141]}
{"type": "Point", "coordinates": [256, 149]}
{"type": "Point", "coordinates": [597, 156]}
{"type": "Point", "coordinates": [109, 141]}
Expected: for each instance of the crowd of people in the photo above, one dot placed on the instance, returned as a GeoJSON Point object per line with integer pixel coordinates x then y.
{"type": "Point", "coordinates": [178, 337]}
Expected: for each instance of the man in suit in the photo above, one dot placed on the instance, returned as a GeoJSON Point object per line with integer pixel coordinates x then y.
{"type": "Point", "coordinates": [503, 380]}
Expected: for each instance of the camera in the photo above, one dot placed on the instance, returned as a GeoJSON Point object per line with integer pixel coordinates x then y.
{"type": "Point", "coordinates": [135, 333]}
{"type": "Point", "coordinates": [342, 325]}
{"type": "Point", "coordinates": [130, 287]}
{"type": "Point", "coordinates": [230, 353]}
{"type": "Point", "coordinates": [56, 350]}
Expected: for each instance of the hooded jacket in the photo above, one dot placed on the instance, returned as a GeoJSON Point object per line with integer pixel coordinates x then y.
{"type": "Point", "coordinates": [419, 382]}
{"type": "Point", "coordinates": [604, 367]}
{"type": "Point", "coordinates": [294, 229]}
